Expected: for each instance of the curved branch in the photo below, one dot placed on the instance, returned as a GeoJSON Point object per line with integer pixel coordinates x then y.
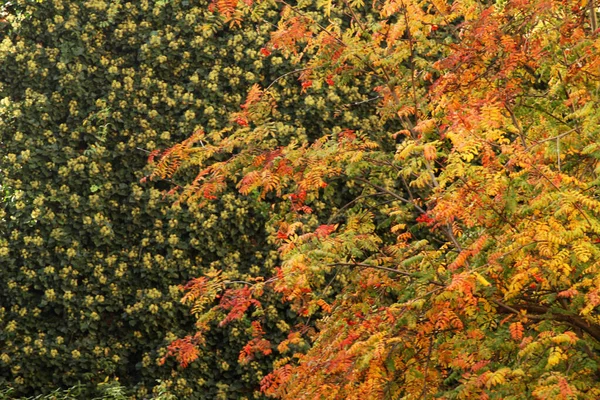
{"type": "Point", "coordinates": [540, 312]}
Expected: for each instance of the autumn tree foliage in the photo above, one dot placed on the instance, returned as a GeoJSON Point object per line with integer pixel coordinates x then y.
{"type": "Point", "coordinates": [467, 267]}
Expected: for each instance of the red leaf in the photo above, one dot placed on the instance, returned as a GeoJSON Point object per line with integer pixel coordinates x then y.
{"type": "Point", "coordinates": [306, 85]}
{"type": "Point", "coordinates": [241, 121]}
{"type": "Point", "coordinates": [424, 218]}
{"type": "Point", "coordinates": [325, 230]}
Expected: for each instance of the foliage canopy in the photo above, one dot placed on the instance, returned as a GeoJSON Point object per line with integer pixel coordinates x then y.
{"type": "Point", "coordinates": [467, 264]}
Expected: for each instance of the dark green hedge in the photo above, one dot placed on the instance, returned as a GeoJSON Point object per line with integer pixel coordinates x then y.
{"type": "Point", "coordinates": [90, 257]}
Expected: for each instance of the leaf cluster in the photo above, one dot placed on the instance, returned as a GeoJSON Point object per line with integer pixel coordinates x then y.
{"type": "Point", "coordinates": [466, 263]}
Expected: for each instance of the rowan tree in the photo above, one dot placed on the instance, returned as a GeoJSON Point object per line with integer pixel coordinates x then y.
{"type": "Point", "coordinates": [467, 267]}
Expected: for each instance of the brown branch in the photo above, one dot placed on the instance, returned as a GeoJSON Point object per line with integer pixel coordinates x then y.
{"type": "Point", "coordinates": [540, 313]}
{"type": "Point", "coordinates": [363, 265]}
{"type": "Point", "coordinates": [355, 17]}
{"type": "Point", "coordinates": [593, 20]}
{"type": "Point", "coordinates": [429, 351]}
{"type": "Point", "coordinates": [413, 72]}
{"type": "Point", "coordinates": [517, 125]}
{"type": "Point", "coordinates": [399, 272]}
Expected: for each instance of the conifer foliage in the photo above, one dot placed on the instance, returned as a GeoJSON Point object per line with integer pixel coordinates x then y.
{"type": "Point", "coordinates": [467, 267]}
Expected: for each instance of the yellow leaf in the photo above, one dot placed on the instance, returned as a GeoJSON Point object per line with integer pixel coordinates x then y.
{"type": "Point", "coordinates": [497, 378]}
{"type": "Point", "coordinates": [554, 358]}
{"type": "Point", "coordinates": [481, 279]}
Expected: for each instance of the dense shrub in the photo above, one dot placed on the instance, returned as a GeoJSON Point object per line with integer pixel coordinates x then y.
{"type": "Point", "coordinates": [92, 258]}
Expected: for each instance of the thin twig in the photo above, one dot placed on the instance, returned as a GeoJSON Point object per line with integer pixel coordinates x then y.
{"type": "Point", "coordinates": [284, 75]}
{"type": "Point", "coordinates": [391, 193]}
{"type": "Point", "coordinates": [239, 282]}
{"type": "Point", "coordinates": [364, 196]}
{"type": "Point", "coordinates": [552, 138]}
{"type": "Point", "coordinates": [399, 272]}
{"type": "Point", "coordinates": [365, 101]}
